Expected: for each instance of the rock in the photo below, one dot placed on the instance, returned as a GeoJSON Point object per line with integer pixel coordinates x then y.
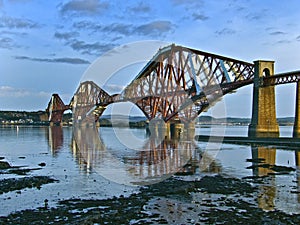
{"type": "Point", "coordinates": [42, 164]}
{"type": "Point", "coordinates": [4, 165]}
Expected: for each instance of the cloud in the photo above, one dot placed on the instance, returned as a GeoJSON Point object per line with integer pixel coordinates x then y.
{"type": "Point", "coordinates": [86, 25]}
{"type": "Point", "coordinates": [6, 43]}
{"type": "Point", "coordinates": [115, 38]}
{"type": "Point", "coordinates": [124, 29]}
{"type": "Point", "coordinates": [11, 23]}
{"type": "Point", "coordinates": [188, 5]}
{"type": "Point", "coordinates": [201, 17]}
{"type": "Point", "coordinates": [225, 31]}
{"type": "Point", "coordinates": [186, 2]}
{"type": "Point", "coordinates": [120, 28]}
{"type": "Point", "coordinates": [140, 8]}
{"type": "Point", "coordinates": [19, 1]}
{"type": "Point", "coordinates": [113, 88]}
{"type": "Point", "coordinates": [298, 38]}
{"type": "Point", "coordinates": [277, 33]}
{"type": "Point", "coordinates": [84, 7]}
{"type": "Point", "coordinates": [257, 15]}
{"type": "Point", "coordinates": [14, 98]}
{"type": "Point", "coordinates": [253, 17]}
{"type": "Point", "coordinates": [66, 35]}
{"type": "Point", "coordinates": [154, 28]}
{"type": "Point", "coordinates": [15, 33]}
{"type": "Point", "coordinates": [91, 48]}
{"type": "Point", "coordinates": [54, 60]}
{"type": "Point", "coordinates": [283, 42]}
{"type": "Point", "coordinates": [8, 91]}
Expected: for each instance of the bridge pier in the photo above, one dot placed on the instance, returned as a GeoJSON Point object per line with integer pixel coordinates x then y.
{"type": "Point", "coordinates": [263, 122]}
{"type": "Point", "coordinates": [171, 130]}
{"type": "Point", "coordinates": [296, 132]}
{"type": "Point", "coordinates": [190, 130]}
{"type": "Point", "coordinates": [97, 124]}
{"type": "Point", "coordinates": [55, 110]}
{"type": "Point", "coordinates": [182, 130]}
{"type": "Point", "coordinates": [56, 118]}
{"type": "Point", "coordinates": [176, 129]}
{"type": "Point", "coordinates": [158, 128]}
{"type": "Point", "coordinates": [53, 124]}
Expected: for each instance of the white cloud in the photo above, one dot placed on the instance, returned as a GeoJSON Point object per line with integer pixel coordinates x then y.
{"type": "Point", "coordinates": [114, 88]}
{"type": "Point", "coordinates": [8, 91]}
{"type": "Point", "coordinates": [18, 23]}
{"type": "Point", "coordinates": [84, 6]}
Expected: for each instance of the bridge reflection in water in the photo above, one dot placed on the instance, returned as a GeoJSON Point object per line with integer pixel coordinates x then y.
{"type": "Point", "coordinates": [55, 138]}
{"type": "Point", "coordinates": [157, 159]}
{"type": "Point", "coordinates": [270, 191]}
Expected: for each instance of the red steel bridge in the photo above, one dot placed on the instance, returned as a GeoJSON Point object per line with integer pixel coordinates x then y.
{"type": "Point", "coordinates": [179, 83]}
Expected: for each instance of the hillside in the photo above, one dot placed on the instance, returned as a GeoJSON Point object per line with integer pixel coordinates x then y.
{"type": "Point", "coordinates": [40, 117]}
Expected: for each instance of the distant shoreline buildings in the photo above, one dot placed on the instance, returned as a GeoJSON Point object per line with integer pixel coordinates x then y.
{"type": "Point", "coordinates": [41, 118]}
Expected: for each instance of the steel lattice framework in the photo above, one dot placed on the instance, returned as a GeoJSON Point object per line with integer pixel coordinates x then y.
{"type": "Point", "coordinates": [181, 82]}
{"type": "Point", "coordinates": [56, 108]}
{"type": "Point", "coordinates": [89, 102]}
{"type": "Point", "coordinates": [177, 83]}
{"type": "Point", "coordinates": [282, 78]}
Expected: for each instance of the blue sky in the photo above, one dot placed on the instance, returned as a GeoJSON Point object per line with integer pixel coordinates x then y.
{"type": "Point", "coordinates": [45, 46]}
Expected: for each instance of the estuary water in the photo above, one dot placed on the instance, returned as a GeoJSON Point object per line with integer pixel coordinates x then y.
{"type": "Point", "coordinates": [117, 161]}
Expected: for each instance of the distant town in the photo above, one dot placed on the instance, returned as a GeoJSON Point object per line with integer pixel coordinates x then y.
{"type": "Point", "coordinates": [41, 118]}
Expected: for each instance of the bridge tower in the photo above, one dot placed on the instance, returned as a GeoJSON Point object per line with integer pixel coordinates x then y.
{"type": "Point", "coordinates": [263, 123]}
{"type": "Point", "coordinates": [296, 133]}
{"type": "Point", "coordinates": [56, 109]}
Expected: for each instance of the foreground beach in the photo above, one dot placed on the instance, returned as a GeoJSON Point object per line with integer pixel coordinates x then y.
{"type": "Point", "coordinates": [177, 200]}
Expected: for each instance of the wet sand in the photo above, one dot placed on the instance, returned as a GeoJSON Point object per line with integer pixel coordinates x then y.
{"type": "Point", "coordinates": [212, 199]}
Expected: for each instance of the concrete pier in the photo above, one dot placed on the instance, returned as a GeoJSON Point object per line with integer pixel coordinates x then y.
{"type": "Point", "coordinates": [263, 123]}
{"type": "Point", "coordinates": [171, 130]}
{"type": "Point", "coordinates": [297, 158]}
{"type": "Point", "coordinates": [176, 129]}
{"type": "Point", "coordinates": [158, 128]}
{"type": "Point", "coordinates": [296, 132]}
{"type": "Point", "coordinates": [189, 129]}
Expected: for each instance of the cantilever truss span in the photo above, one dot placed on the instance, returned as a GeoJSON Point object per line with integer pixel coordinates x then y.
{"type": "Point", "coordinates": [56, 108]}
{"type": "Point", "coordinates": [89, 102]}
{"type": "Point", "coordinates": [179, 82]}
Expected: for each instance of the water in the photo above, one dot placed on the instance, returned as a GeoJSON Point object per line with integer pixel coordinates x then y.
{"type": "Point", "coordinates": [91, 168]}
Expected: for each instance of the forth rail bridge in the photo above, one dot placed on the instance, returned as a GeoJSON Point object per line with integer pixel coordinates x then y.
{"type": "Point", "coordinates": [179, 83]}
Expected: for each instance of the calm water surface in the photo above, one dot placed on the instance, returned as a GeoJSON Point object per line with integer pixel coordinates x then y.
{"type": "Point", "coordinates": [105, 168]}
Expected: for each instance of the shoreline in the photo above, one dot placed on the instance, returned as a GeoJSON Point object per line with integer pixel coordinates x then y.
{"type": "Point", "coordinates": [206, 199]}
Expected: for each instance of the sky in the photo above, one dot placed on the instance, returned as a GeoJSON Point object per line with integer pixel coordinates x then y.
{"type": "Point", "coordinates": [46, 46]}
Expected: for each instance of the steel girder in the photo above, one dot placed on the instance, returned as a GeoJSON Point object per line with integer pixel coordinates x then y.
{"type": "Point", "coordinates": [56, 108]}
{"type": "Point", "coordinates": [282, 78]}
{"type": "Point", "coordinates": [89, 102]}
{"type": "Point", "coordinates": [177, 83]}
{"type": "Point", "coordinates": [181, 82]}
